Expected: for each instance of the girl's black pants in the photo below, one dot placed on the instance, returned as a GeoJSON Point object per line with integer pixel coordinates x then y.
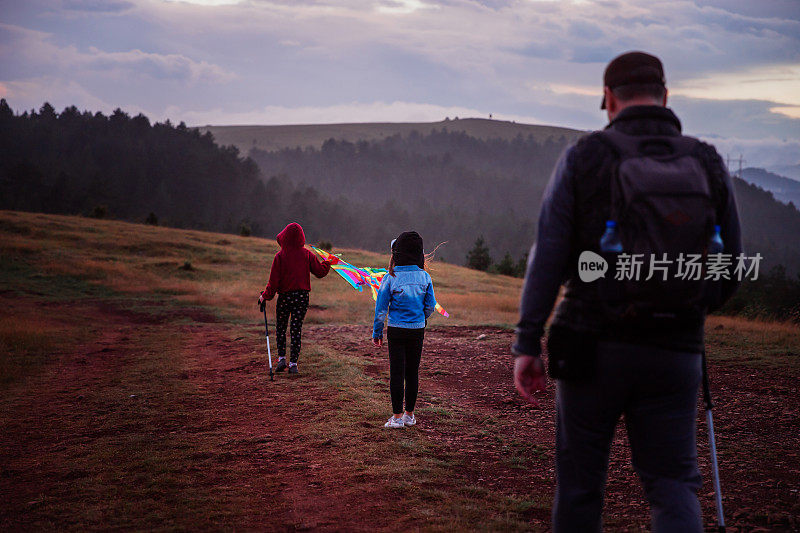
{"type": "Point", "coordinates": [294, 304]}
{"type": "Point", "coordinates": [405, 352]}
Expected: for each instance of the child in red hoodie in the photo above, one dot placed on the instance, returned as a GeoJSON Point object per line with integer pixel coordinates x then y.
{"type": "Point", "coordinates": [289, 278]}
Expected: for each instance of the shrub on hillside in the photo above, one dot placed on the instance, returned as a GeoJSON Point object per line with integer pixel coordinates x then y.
{"type": "Point", "coordinates": [507, 266]}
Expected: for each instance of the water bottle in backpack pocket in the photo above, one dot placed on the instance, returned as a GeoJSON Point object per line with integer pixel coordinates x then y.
{"type": "Point", "coordinates": [714, 288]}
{"type": "Point", "coordinates": [715, 245]}
{"type": "Point", "coordinates": [610, 248]}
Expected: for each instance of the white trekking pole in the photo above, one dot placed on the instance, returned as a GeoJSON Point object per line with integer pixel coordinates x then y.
{"type": "Point", "coordinates": [713, 444]}
{"type": "Point", "coordinates": [269, 352]}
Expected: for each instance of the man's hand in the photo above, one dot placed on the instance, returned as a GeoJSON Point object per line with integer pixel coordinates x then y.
{"type": "Point", "coordinates": [529, 376]}
{"type": "Point", "coordinates": [332, 260]}
{"type": "Point", "coordinates": [377, 341]}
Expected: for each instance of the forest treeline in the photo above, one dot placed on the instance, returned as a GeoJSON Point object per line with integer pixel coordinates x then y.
{"type": "Point", "coordinates": [124, 167]}
{"type": "Point", "coordinates": [449, 186]}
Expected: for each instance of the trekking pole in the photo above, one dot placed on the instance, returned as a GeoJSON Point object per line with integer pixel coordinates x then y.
{"type": "Point", "coordinates": [269, 352]}
{"type": "Point", "coordinates": [713, 444]}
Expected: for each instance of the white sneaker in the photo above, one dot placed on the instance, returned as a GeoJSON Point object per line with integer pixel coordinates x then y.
{"type": "Point", "coordinates": [409, 420]}
{"type": "Point", "coordinates": [394, 423]}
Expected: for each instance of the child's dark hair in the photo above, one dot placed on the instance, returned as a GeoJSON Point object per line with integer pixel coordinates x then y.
{"type": "Point", "coordinates": [427, 259]}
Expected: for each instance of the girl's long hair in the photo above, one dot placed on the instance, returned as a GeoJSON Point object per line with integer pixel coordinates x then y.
{"type": "Point", "coordinates": [427, 258]}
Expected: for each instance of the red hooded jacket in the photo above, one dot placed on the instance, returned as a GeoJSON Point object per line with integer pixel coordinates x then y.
{"type": "Point", "coordinates": [292, 264]}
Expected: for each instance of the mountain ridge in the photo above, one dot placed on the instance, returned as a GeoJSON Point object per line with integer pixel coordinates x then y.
{"type": "Point", "coordinates": [277, 137]}
{"type": "Point", "coordinates": [784, 189]}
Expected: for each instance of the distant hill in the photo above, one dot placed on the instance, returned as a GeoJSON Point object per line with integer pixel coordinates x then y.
{"type": "Point", "coordinates": [790, 171]}
{"type": "Point", "coordinates": [271, 138]}
{"type": "Point", "coordinates": [783, 189]}
{"type": "Point", "coordinates": [768, 227]}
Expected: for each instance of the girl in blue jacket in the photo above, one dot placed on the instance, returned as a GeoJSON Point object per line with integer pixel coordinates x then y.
{"type": "Point", "coordinates": [406, 295]}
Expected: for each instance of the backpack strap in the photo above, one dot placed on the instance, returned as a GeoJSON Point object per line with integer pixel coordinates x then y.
{"type": "Point", "coordinates": [715, 170]}
{"type": "Point", "coordinates": [655, 146]}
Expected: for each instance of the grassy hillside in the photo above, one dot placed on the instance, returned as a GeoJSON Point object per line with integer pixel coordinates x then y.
{"type": "Point", "coordinates": [79, 257]}
{"type": "Point", "coordinates": [278, 137]}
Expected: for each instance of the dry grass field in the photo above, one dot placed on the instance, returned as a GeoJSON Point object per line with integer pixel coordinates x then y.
{"type": "Point", "coordinates": [134, 395]}
{"type": "Point", "coordinates": [218, 272]}
{"type": "Point", "coordinates": [277, 137]}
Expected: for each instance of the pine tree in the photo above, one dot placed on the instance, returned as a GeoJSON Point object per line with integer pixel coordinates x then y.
{"type": "Point", "coordinates": [479, 258]}
{"type": "Point", "coordinates": [507, 266]}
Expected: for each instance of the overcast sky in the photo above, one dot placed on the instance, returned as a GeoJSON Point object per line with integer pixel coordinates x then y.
{"type": "Point", "coordinates": [732, 67]}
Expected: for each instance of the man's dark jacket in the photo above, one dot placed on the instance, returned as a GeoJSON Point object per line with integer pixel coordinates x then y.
{"type": "Point", "coordinates": [575, 207]}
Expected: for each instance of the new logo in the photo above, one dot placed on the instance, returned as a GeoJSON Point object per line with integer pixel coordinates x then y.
{"type": "Point", "coordinates": [591, 266]}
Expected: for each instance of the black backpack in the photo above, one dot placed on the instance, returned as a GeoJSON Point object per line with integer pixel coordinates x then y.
{"type": "Point", "coordinates": [663, 202]}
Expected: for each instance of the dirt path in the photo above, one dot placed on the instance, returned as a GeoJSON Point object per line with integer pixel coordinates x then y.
{"type": "Point", "coordinates": [756, 420]}
{"type": "Point", "coordinates": [165, 420]}
{"type": "Point", "coordinates": [160, 424]}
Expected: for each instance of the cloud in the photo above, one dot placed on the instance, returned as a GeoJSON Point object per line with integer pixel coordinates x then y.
{"type": "Point", "coordinates": [732, 70]}
{"type": "Point", "coordinates": [734, 118]}
{"type": "Point", "coordinates": [32, 93]}
{"type": "Point", "coordinates": [482, 36]}
{"type": "Point", "coordinates": [559, 88]}
{"type": "Point", "coordinates": [584, 29]}
{"type": "Point", "coordinates": [32, 53]}
{"type": "Point", "coordinates": [776, 83]}
{"type": "Point", "coordinates": [97, 6]}
{"type": "Point", "coordinates": [789, 111]}
{"type": "Point", "coordinates": [788, 9]}
{"type": "Point", "coordinates": [157, 66]}
{"type": "Point", "coordinates": [402, 7]}
{"type": "Point", "coordinates": [762, 153]}
{"type": "Point", "coordinates": [208, 2]}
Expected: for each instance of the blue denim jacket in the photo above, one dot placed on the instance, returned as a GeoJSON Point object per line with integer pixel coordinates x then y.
{"type": "Point", "coordinates": [407, 297]}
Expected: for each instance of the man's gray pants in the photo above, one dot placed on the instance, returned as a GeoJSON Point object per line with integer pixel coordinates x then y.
{"type": "Point", "coordinates": [656, 390]}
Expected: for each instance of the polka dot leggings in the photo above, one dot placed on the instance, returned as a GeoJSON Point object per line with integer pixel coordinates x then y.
{"type": "Point", "coordinates": [294, 303]}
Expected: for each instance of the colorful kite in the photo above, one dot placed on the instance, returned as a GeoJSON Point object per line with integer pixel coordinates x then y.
{"type": "Point", "coordinates": [358, 277]}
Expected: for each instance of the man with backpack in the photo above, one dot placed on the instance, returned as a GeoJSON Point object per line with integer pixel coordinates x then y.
{"type": "Point", "coordinates": [637, 194]}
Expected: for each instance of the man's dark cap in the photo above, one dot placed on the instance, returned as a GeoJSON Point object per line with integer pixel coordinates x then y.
{"type": "Point", "coordinates": [633, 68]}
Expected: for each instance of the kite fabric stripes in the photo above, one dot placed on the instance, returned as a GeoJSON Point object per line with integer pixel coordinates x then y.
{"type": "Point", "coordinates": [359, 277]}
